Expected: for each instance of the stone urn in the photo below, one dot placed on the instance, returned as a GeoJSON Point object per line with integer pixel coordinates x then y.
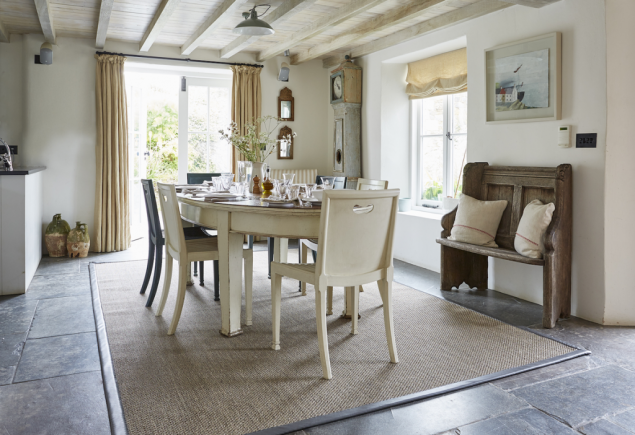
{"type": "Point", "coordinates": [78, 241]}
{"type": "Point", "coordinates": [55, 236]}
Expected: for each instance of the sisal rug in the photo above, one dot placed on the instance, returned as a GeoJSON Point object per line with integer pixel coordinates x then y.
{"type": "Point", "coordinates": [199, 382]}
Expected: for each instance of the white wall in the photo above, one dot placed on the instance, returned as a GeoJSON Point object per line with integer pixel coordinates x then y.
{"type": "Point", "coordinates": [49, 111]}
{"type": "Point", "coordinates": [620, 155]}
{"type": "Point", "coordinates": [529, 144]}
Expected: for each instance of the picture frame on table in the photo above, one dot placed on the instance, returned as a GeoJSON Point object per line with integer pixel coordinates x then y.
{"type": "Point", "coordinates": [523, 80]}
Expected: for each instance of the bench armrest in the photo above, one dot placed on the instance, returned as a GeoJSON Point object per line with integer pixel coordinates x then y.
{"type": "Point", "coordinates": [447, 222]}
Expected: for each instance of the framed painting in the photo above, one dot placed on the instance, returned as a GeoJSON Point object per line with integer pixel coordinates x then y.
{"type": "Point", "coordinates": [523, 80]}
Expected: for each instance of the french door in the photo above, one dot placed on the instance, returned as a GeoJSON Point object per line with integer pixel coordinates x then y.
{"type": "Point", "coordinates": [138, 155]}
{"type": "Point", "coordinates": [204, 109]}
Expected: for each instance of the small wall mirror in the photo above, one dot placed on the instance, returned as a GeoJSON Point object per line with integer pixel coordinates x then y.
{"type": "Point", "coordinates": [285, 105]}
{"type": "Point", "coordinates": [285, 148]}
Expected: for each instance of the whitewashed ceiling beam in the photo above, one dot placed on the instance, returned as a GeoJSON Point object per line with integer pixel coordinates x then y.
{"type": "Point", "coordinates": [161, 18]}
{"type": "Point", "coordinates": [466, 13]}
{"type": "Point", "coordinates": [283, 12]}
{"type": "Point", "coordinates": [46, 19]}
{"type": "Point", "coordinates": [225, 10]}
{"type": "Point", "coordinates": [104, 21]}
{"type": "Point", "coordinates": [377, 24]}
{"type": "Point", "coordinates": [4, 35]}
{"type": "Point", "coordinates": [531, 3]}
{"type": "Point", "coordinates": [354, 7]}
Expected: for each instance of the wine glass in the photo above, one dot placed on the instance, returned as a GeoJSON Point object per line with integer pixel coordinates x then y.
{"type": "Point", "coordinates": [227, 180]}
{"type": "Point", "coordinates": [288, 178]}
{"type": "Point", "coordinates": [309, 187]}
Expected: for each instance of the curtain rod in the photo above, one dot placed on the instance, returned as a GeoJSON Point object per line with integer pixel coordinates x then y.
{"type": "Point", "coordinates": [176, 58]}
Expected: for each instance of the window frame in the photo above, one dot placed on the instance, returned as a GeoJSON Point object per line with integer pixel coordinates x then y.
{"type": "Point", "coordinates": [448, 150]}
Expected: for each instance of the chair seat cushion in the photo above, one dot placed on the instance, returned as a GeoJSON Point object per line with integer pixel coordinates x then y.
{"type": "Point", "coordinates": [505, 254]}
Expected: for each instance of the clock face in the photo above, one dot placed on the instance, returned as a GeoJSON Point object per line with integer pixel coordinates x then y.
{"type": "Point", "coordinates": [337, 87]}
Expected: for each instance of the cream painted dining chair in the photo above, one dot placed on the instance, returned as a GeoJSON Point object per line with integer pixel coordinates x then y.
{"type": "Point", "coordinates": [356, 245]}
{"type": "Point", "coordinates": [187, 251]}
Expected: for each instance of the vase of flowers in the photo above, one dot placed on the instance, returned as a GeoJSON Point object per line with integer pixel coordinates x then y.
{"type": "Point", "coordinates": [255, 143]}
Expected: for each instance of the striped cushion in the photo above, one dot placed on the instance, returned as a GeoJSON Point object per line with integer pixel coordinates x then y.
{"type": "Point", "coordinates": [301, 175]}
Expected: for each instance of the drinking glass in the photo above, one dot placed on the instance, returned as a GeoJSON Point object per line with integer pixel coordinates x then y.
{"type": "Point", "coordinates": [244, 170]}
{"type": "Point", "coordinates": [239, 188]}
{"type": "Point", "coordinates": [276, 187]}
{"type": "Point", "coordinates": [218, 184]}
{"type": "Point", "coordinates": [245, 188]}
{"type": "Point", "coordinates": [288, 178]}
{"type": "Point", "coordinates": [294, 190]}
{"type": "Point", "coordinates": [326, 183]}
{"type": "Point", "coordinates": [309, 187]}
{"type": "Point", "coordinates": [227, 180]}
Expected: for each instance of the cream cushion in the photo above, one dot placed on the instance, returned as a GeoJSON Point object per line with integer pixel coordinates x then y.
{"type": "Point", "coordinates": [477, 221]}
{"type": "Point", "coordinates": [533, 224]}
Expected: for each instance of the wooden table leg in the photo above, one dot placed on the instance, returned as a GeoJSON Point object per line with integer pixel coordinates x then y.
{"type": "Point", "coordinates": [230, 253]}
{"type": "Point", "coordinates": [280, 250]}
{"type": "Point", "coordinates": [348, 303]}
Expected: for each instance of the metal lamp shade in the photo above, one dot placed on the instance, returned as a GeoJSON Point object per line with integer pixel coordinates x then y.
{"type": "Point", "coordinates": [252, 25]}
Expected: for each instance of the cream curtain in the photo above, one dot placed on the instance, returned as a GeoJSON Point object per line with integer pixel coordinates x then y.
{"type": "Point", "coordinates": [246, 99]}
{"type": "Point", "coordinates": [112, 211]}
{"type": "Point", "coordinates": [438, 75]}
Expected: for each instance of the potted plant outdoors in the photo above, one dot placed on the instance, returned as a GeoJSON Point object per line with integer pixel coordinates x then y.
{"type": "Point", "coordinates": [256, 144]}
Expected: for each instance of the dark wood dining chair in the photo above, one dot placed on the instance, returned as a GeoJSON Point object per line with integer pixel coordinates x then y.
{"type": "Point", "coordinates": [156, 241]}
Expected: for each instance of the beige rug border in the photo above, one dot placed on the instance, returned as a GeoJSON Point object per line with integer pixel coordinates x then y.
{"type": "Point", "coordinates": [115, 408]}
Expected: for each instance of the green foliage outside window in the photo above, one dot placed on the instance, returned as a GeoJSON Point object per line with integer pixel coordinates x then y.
{"type": "Point", "coordinates": [433, 191]}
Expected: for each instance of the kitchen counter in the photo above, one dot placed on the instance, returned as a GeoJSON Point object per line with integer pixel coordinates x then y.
{"type": "Point", "coordinates": [24, 170]}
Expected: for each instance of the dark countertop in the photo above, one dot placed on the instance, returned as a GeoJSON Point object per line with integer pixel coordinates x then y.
{"type": "Point", "coordinates": [23, 170]}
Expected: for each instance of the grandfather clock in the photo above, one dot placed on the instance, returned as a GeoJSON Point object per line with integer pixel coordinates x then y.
{"type": "Point", "coordinates": [346, 99]}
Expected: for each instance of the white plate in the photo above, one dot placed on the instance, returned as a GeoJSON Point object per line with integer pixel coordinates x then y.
{"type": "Point", "coordinates": [220, 195]}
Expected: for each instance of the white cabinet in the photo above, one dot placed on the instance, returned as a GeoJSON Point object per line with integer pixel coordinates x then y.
{"type": "Point", "coordinates": [20, 228]}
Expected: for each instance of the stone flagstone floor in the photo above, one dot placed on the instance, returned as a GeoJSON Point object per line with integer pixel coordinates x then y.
{"type": "Point", "coordinates": [50, 377]}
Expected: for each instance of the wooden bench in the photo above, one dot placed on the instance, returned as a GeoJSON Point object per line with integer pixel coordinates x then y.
{"type": "Point", "coordinates": [466, 263]}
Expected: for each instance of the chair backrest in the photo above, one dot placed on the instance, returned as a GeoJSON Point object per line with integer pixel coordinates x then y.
{"type": "Point", "coordinates": [519, 185]}
{"type": "Point", "coordinates": [337, 182]}
{"type": "Point", "coordinates": [174, 238]}
{"type": "Point", "coordinates": [199, 177]}
{"type": "Point", "coordinates": [368, 184]}
{"type": "Point", "coordinates": [356, 231]}
{"type": "Point", "coordinates": [301, 175]}
{"type": "Point", "coordinates": [154, 224]}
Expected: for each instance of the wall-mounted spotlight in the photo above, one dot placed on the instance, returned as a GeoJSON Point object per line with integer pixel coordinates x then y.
{"type": "Point", "coordinates": [283, 75]}
{"type": "Point", "coordinates": [46, 54]}
{"type": "Point", "coordinates": [252, 25]}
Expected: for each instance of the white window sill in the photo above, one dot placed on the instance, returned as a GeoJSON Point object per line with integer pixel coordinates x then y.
{"type": "Point", "coordinates": [435, 215]}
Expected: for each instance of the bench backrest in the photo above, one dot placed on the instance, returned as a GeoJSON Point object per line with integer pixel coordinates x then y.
{"type": "Point", "coordinates": [519, 185]}
{"type": "Point", "coordinates": [301, 175]}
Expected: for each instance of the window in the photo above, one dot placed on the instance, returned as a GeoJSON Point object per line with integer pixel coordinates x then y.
{"type": "Point", "coordinates": [440, 140]}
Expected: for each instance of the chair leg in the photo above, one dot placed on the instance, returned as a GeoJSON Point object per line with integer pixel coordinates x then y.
{"type": "Point", "coordinates": [300, 261]}
{"type": "Point", "coordinates": [201, 265]}
{"type": "Point", "coordinates": [270, 251]}
{"type": "Point", "coordinates": [305, 253]}
{"type": "Point", "coordinates": [166, 283]}
{"type": "Point", "coordinates": [314, 253]}
{"type": "Point", "coordinates": [276, 284]}
{"type": "Point", "coordinates": [180, 298]}
{"type": "Point", "coordinates": [329, 301]}
{"type": "Point", "coordinates": [146, 279]}
{"type": "Point", "coordinates": [354, 316]}
{"type": "Point", "coordinates": [158, 263]}
{"type": "Point", "coordinates": [385, 290]}
{"type": "Point", "coordinates": [195, 270]}
{"type": "Point", "coordinates": [323, 343]}
{"type": "Point", "coordinates": [250, 242]}
{"type": "Point", "coordinates": [216, 282]}
{"type": "Point", "coordinates": [249, 278]}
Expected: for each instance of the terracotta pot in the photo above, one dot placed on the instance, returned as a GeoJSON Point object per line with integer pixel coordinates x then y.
{"type": "Point", "coordinates": [55, 236]}
{"type": "Point", "coordinates": [78, 242]}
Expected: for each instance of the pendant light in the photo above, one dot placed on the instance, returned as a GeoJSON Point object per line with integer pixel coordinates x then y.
{"type": "Point", "coordinates": [252, 25]}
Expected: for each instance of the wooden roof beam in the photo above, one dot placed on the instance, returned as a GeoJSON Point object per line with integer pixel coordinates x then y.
{"type": "Point", "coordinates": [46, 19]}
{"type": "Point", "coordinates": [4, 35]}
{"type": "Point", "coordinates": [104, 21]}
{"type": "Point", "coordinates": [354, 7]}
{"type": "Point", "coordinates": [161, 18]}
{"type": "Point", "coordinates": [457, 16]}
{"type": "Point", "coordinates": [531, 3]}
{"type": "Point", "coordinates": [377, 24]}
{"type": "Point", "coordinates": [224, 11]}
{"type": "Point", "coordinates": [283, 12]}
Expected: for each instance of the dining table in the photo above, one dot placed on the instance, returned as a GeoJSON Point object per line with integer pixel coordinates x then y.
{"type": "Point", "coordinates": [233, 219]}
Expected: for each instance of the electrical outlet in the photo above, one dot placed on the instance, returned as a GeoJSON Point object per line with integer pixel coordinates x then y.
{"type": "Point", "coordinates": [13, 149]}
{"type": "Point", "coordinates": [586, 140]}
